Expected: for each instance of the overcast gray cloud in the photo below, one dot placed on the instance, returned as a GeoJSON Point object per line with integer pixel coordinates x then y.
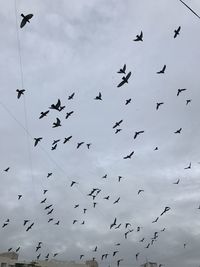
{"type": "Point", "coordinates": [79, 47]}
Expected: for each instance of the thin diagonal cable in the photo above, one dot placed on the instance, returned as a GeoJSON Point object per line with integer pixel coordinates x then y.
{"type": "Point", "coordinates": [190, 9]}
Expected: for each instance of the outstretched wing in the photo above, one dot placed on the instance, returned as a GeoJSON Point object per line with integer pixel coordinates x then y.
{"type": "Point", "coordinates": [29, 16]}
{"type": "Point", "coordinates": [23, 23]}
{"type": "Point", "coordinates": [121, 83]}
{"type": "Point", "coordinates": [128, 75]}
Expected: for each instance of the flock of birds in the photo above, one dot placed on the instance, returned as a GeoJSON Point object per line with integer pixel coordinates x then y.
{"type": "Point", "coordinates": [94, 193]}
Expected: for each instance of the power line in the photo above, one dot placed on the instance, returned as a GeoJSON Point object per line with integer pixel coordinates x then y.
{"type": "Point", "coordinates": [190, 9]}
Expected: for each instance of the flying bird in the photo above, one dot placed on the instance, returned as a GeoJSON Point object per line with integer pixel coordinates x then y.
{"type": "Point", "coordinates": [69, 114]}
{"type": "Point", "coordinates": [25, 19]}
{"type": "Point", "coordinates": [43, 201]}
{"type": "Point", "coordinates": [136, 256]}
{"type": "Point", "coordinates": [88, 145]}
{"type": "Point", "coordinates": [116, 201]}
{"type": "Point", "coordinates": [139, 37]}
{"type": "Point", "coordinates": [99, 97]}
{"type": "Point", "coordinates": [178, 131]}
{"type": "Point", "coordinates": [19, 196]}
{"type": "Point", "coordinates": [117, 131]}
{"type": "Point", "coordinates": [37, 140]}
{"type": "Point", "coordinates": [124, 79]}
{"type": "Point", "coordinates": [128, 101]}
{"type": "Point", "coordinates": [123, 70]}
{"type": "Point", "coordinates": [165, 210]}
{"type": "Point", "coordinates": [137, 133]}
{"type": "Point", "coordinates": [29, 227]}
{"type": "Point", "coordinates": [155, 220]}
{"type": "Point", "coordinates": [117, 124]}
{"type": "Point", "coordinates": [177, 31]}
{"type": "Point", "coordinates": [158, 105]}
{"type": "Point", "coordinates": [54, 147]}
{"type": "Point", "coordinates": [177, 182]}
{"type": "Point", "coordinates": [72, 183]}
{"type": "Point", "coordinates": [180, 90]}
{"type": "Point", "coordinates": [162, 71]}
{"type": "Point", "coordinates": [43, 114]}
{"type": "Point", "coordinates": [50, 211]}
{"type": "Point", "coordinates": [71, 96]}
{"type": "Point", "coordinates": [79, 144]}
{"type": "Point", "coordinates": [188, 101]}
{"type": "Point", "coordinates": [188, 167]}
{"type": "Point", "coordinates": [25, 222]}
{"type": "Point", "coordinates": [129, 156]}
{"type": "Point", "coordinates": [67, 139]}
{"type": "Point", "coordinates": [114, 223]}
{"type": "Point", "coordinates": [55, 142]}
{"type": "Point", "coordinates": [49, 174]}
{"type": "Point", "coordinates": [20, 93]}
{"type": "Point", "coordinates": [139, 191]}
{"type": "Point", "coordinates": [57, 123]}
{"type": "Point", "coordinates": [7, 169]}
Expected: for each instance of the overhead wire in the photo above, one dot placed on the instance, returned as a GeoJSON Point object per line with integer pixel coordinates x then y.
{"type": "Point", "coordinates": [190, 9]}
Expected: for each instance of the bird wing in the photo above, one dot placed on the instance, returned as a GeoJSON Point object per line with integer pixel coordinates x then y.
{"type": "Point", "coordinates": [128, 75]}
{"type": "Point", "coordinates": [121, 83]}
{"type": "Point", "coordinates": [29, 16]}
{"type": "Point", "coordinates": [141, 34]}
{"type": "Point", "coordinates": [23, 23]}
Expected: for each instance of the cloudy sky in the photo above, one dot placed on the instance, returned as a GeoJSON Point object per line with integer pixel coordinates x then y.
{"type": "Point", "coordinates": [79, 46]}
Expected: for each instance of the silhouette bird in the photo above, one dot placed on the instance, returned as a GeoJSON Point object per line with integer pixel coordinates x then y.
{"type": "Point", "coordinates": [118, 262]}
{"type": "Point", "coordinates": [55, 254]}
{"type": "Point", "coordinates": [127, 224]}
{"type": "Point", "coordinates": [37, 248]}
{"type": "Point", "coordinates": [99, 97]}
{"type": "Point", "coordinates": [177, 31]}
{"type": "Point", "coordinates": [54, 147]}
{"type": "Point", "coordinates": [155, 220]}
{"type": "Point", "coordinates": [43, 114]}
{"type": "Point", "coordinates": [124, 79]}
{"type": "Point", "coordinates": [105, 176]}
{"type": "Point", "coordinates": [20, 93]}
{"type": "Point", "coordinates": [117, 227]}
{"type": "Point", "coordinates": [57, 223]}
{"type": "Point", "coordinates": [139, 37]}
{"type": "Point", "coordinates": [37, 140]}
{"type": "Point", "coordinates": [50, 219]}
{"type": "Point", "coordinates": [67, 139]}
{"type": "Point", "coordinates": [56, 106]}
{"type": "Point", "coordinates": [128, 101]}
{"type": "Point", "coordinates": [123, 70]}
{"type": "Point", "coordinates": [43, 201]}
{"type": "Point", "coordinates": [74, 221]}
{"type": "Point", "coordinates": [115, 252]}
{"type": "Point", "coordinates": [69, 114]}
{"type": "Point", "coordinates": [44, 191]}
{"type": "Point", "coordinates": [49, 174]}
{"type": "Point", "coordinates": [117, 131]}
{"type": "Point", "coordinates": [4, 225]}
{"type": "Point", "coordinates": [57, 123]}
{"type": "Point", "coordinates": [139, 191]}
{"type": "Point", "coordinates": [81, 256]}
{"type": "Point", "coordinates": [178, 131]}
{"type": "Point", "coordinates": [184, 245]}
{"type": "Point", "coordinates": [180, 90]}
{"type": "Point", "coordinates": [137, 133]}
{"type": "Point", "coordinates": [177, 182]}
{"type": "Point", "coordinates": [116, 201]}
{"type": "Point", "coordinates": [29, 227]}
{"type": "Point", "coordinates": [17, 249]}
{"type": "Point", "coordinates": [9, 249]}
{"type": "Point", "coordinates": [147, 246]}
{"type": "Point", "coordinates": [76, 206]}
{"type": "Point", "coordinates": [19, 196]}
{"type": "Point", "coordinates": [79, 144]}
{"type": "Point", "coordinates": [55, 142]}
{"type": "Point", "coordinates": [25, 19]}
{"type": "Point", "coordinates": [38, 256]}
{"type": "Point", "coordinates": [156, 148]}
{"type": "Point", "coordinates": [136, 256]}
{"type": "Point", "coordinates": [188, 101]}
{"type": "Point", "coordinates": [72, 183]}
{"type": "Point", "coordinates": [50, 211]}
{"type": "Point", "coordinates": [117, 124]}
{"type": "Point", "coordinates": [95, 249]}
{"type": "Point", "coordinates": [88, 145]}
{"type": "Point", "coordinates": [25, 222]}
{"type": "Point", "coordinates": [114, 223]}
{"type": "Point", "coordinates": [48, 207]}
{"type": "Point", "coordinates": [71, 96]}
{"type": "Point", "coordinates": [107, 198]}
{"type": "Point", "coordinates": [7, 169]}
{"type": "Point", "coordinates": [94, 204]}
{"type": "Point", "coordinates": [162, 71]}
{"type": "Point", "coordinates": [165, 210]}
{"type": "Point", "coordinates": [141, 240]}
{"type": "Point", "coordinates": [119, 178]}
{"type": "Point", "coordinates": [129, 156]}
{"type": "Point", "coordinates": [158, 105]}
{"type": "Point", "coordinates": [188, 167]}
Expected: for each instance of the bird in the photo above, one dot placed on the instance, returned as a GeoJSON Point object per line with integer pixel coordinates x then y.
{"type": "Point", "coordinates": [25, 19]}
{"type": "Point", "coordinates": [38, 256]}
{"type": "Point", "coordinates": [165, 210]}
{"type": "Point", "coordinates": [20, 92]}
{"type": "Point", "coordinates": [81, 256]}
{"type": "Point", "coordinates": [141, 240]}
{"type": "Point", "coordinates": [163, 230]}
{"type": "Point", "coordinates": [129, 156]}
{"type": "Point", "coordinates": [156, 148]}
{"type": "Point", "coordinates": [116, 201]}
{"type": "Point", "coordinates": [188, 101]}
{"type": "Point", "coordinates": [158, 105]}
{"type": "Point", "coordinates": [56, 106]}
{"type": "Point", "coordinates": [49, 212]}
{"type": "Point", "coordinates": [114, 223]}
{"type": "Point", "coordinates": [69, 114]}
{"type": "Point", "coordinates": [162, 71]}
{"type": "Point", "coordinates": [94, 204]}
{"type": "Point", "coordinates": [123, 70]}
{"type": "Point", "coordinates": [177, 31]}
{"type": "Point", "coordinates": [88, 145]}
{"type": "Point", "coordinates": [139, 191]}
{"type": "Point", "coordinates": [117, 131]}
{"type": "Point", "coordinates": [7, 169]}
{"type": "Point", "coordinates": [25, 222]}
{"type": "Point", "coordinates": [188, 167]}
{"type": "Point", "coordinates": [55, 142]}
{"type": "Point", "coordinates": [9, 249]}
{"type": "Point", "coordinates": [37, 248]}
{"type": "Point", "coordinates": [48, 207]}
{"type": "Point", "coordinates": [137, 133]}
{"type": "Point", "coordinates": [67, 139]}
{"type": "Point", "coordinates": [54, 147]}
{"type": "Point", "coordinates": [99, 97]}
{"type": "Point", "coordinates": [117, 227]}
{"type": "Point", "coordinates": [127, 224]}
{"type": "Point", "coordinates": [119, 178]}
{"type": "Point", "coordinates": [115, 252]}
{"type": "Point", "coordinates": [124, 79]}
{"type": "Point", "coordinates": [107, 198]}
{"type": "Point", "coordinates": [139, 37]}
{"type": "Point", "coordinates": [37, 140]}
{"type": "Point", "coordinates": [47, 256]}
{"type": "Point", "coordinates": [55, 254]}
{"type": "Point", "coordinates": [83, 222]}
{"type": "Point", "coordinates": [4, 225]}
{"type": "Point", "coordinates": [155, 220]}
{"type": "Point", "coordinates": [43, 114]}
{"type": "Point", "coordinates": [72, 183]}
{"type": "Point", "coordinates": [43, 201]}
{"type": "Point", "coordinates": [117, 124]}
{"type": "Point", "coordinates": [105, 176]}
{"type": "Point", "coordinates": [184, 245]}
{"type": "Point", "coordinates": [17, 249]}
{"type": "Point", "coordinates": [79, 144]}
{"type": "Point", "coordinates": [128, 101]}
{"type": "Point", "coordinates": [177, 182]}
{"type": "Point", "coordinates": [74, 221]}
{"type": "Point", "coordinates": [147, 246]}
{"type": "Point", "coordinates": [95, 249]}
{"type": "Point", "coordinates": [57, 223]}
{"type": "Point", "coordinates": [49, 174]}
{"type": "Point", "coordinates": [50, 219]}
{"type": "Point", "coordinates": [180, 90]}
{"type": "Point", "coordinates": [136, 256]}
{"type": "Point", "coordinates": [118, 262]}
{"type": "Point", "coordinates": [76, 206]}
{"type": "Point", "coordinates": [71, 96]}
{"type": "Point", "coordinates": [19, 196]}
{"type": "Point", "coordinates": [178, 131]}
{"type": "Point", "coordinates": [57, 123]}
{"type": "Point", "coordinates": [29, 227]}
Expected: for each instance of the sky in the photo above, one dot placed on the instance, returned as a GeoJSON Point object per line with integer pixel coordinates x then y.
{"type": "Point", "coordinates": [78, 47]}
